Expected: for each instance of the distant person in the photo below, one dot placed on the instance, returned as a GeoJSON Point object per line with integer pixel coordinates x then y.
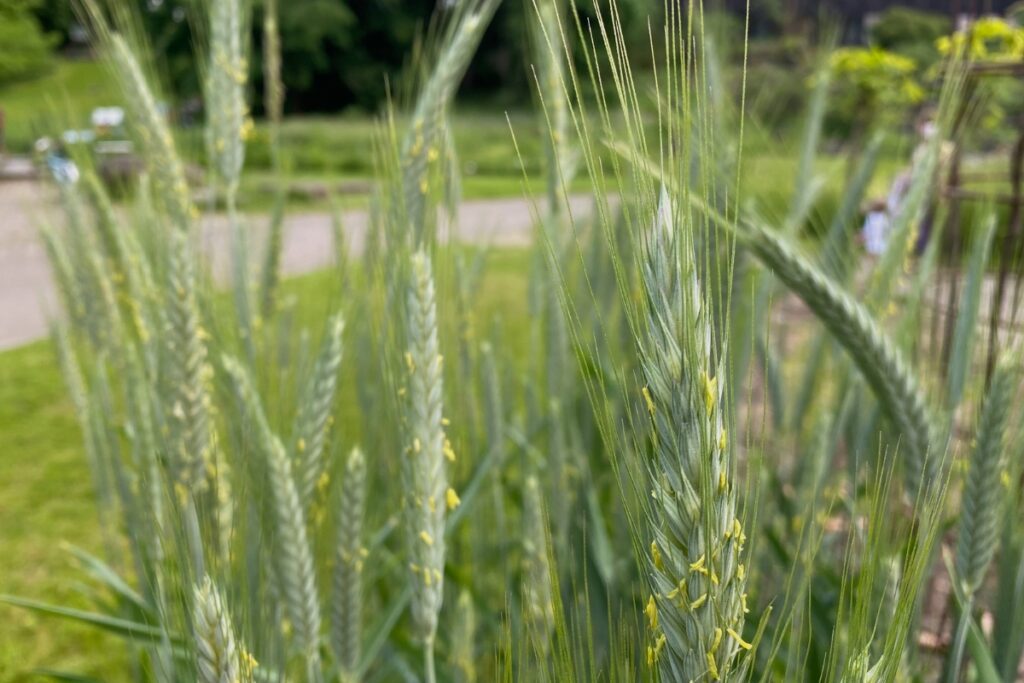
{"type": "Point", "coordinates": [880, 217]}
{"type": "Point", "coordinates": [875, 233]}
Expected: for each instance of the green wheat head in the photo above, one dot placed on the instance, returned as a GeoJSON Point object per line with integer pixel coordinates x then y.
{"type": "Point", "coordinates": [427, 451]}
{"type": "Point", "coordinates": [696, 612]}
{"type": "Point", "coordinates": [346, 616]}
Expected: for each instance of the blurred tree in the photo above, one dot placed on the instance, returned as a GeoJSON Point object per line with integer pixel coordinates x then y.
{"type": "Point", "coordinates": [911, 33]}
{"type": "Point", "coordinates": [340, 53]}
{"type": "Point", "coordinates": [24, 46]}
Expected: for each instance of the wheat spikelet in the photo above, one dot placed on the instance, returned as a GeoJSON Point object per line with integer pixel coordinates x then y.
{"type": "Point", "coordinates": [293, 553]}
{"type": "Point", "coordinates": [982, 496]}
{"type": "Point", "coordinates": [218, 657]}
{"type": "Point", "coordinates": [883, 366]}
{"type": "Point", "coordinates": [537, 569]}
{"type": "Point", "coordinates": [421, 143]}
{"type": "Point", "coordinates": [346, 618]}
{"type": "Point", "coordinates": [186, 373]}
{"type": "Point", "coordinates": [316, 405]}
{"type": "Point", "coordinates": [424, 462]}
{"type": "Point", "coordinates": [696, 612]}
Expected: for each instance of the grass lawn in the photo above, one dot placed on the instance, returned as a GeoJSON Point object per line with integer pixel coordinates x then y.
{"type": "Point", "coordinates": [45, 500]}
{"type": "Point", "coordinates": [46, 489]}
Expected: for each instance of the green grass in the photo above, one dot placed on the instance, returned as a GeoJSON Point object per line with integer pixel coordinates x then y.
{"type": "Point", "coordinates": [46, 495]}
{"type": "Point", "coordinates": [61, 98]}
{"type": "Point", "coordinates": [45, 499]}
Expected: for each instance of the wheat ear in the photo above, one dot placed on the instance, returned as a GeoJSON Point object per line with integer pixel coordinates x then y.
{"type": "Point", "coordinates": [218, 657]}
{"type": "Point", "coordinates": [424, 462]}
{"type": "Point", "coordinates": [294, 558]}
{"type": "Point", "coordinates": [225, 93]}
{"type": "Point", "coordinates": [421, 144]}
{"type": "Point", "coordinates": [982, 498]}
{"type": "Point", "coordinates": [153, 133]}
{"type": "Point", "coordinates": [537, 567]}
{"type": "Point", "coordinates": [187, 373]}
{"type": "Point", "coordinates": [312, 422]}
{"type": "Point", "coordinates": [891, 379]}
{"type": "Point", "coordinates": [464, 640]}
{"type": "Point", "coordinates": [346, 619]}
{"type": "Point", "coordinates": [696, 612]}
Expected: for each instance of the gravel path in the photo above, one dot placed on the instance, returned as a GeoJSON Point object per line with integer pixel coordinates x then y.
{"type": "Point", "coordinates": [27, 294]}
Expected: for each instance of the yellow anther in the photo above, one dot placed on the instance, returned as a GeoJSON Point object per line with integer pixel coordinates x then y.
{"type": "Point", "coordinates": [416, 445]}
{"type": "Point", "coordinates": [659, 645]}
{"type": "Point", "coordinates": [716, 641]}
{"type": "Point", "coordinates": [712, 666]}
{"type": "Point", "coordinates": [452, 499]}
{"type": "Point", "coordinates": [680, 592]}
{"type": "Point", "coordinates": [648, 400]}
{"type": "Point", "coordinates": [409, 363]}
{"type": "Point", "coordinates": [651, 610]}
{"type": "Point", "coordinates": [696, 604]}
{"type": "Point", "coordinates": [432, 154]}
{"type": "Point", "coordinates": [656, 556]}
{"type": "Point", "coordinates": [723, 440]}
{"type": "Point", "coordinates": [710, 391]}
{"type": "Point", "coordinates": [300, 445]}
{"type": "Point", "coordinates": [723, 483]}
{"type": "Point", "coordinates": [739, 641]}
{"type": "Point", "coordinates": [714, 578]}
{"type": "Point", "coordinates": [698, 566]}
{"type": "Point", "coordinates": [741, 572]}
{"type": "Point", "coordinates": [743, 600]}
{"type": "Point", "coordinates": [448, 452]}
{"type": "Point", "coordinates": [445, 422]}
{"type": "Point", "coordinates": [426, 538]}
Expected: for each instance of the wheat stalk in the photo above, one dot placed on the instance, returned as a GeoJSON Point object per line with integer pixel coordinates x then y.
{"type": "Point", "coordinates": [696, 612]}
{"type": "Point", "coordinates": [346, 618]}
{"type": "Point", "coordinates": [273, 93]}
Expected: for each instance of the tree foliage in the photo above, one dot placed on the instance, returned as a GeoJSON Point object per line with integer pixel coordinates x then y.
{"type": "Point", "coordinates": [24, 46]}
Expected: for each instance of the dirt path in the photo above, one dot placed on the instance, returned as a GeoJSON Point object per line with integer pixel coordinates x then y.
{"type": "Point", "coordinates": [27, 294]}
